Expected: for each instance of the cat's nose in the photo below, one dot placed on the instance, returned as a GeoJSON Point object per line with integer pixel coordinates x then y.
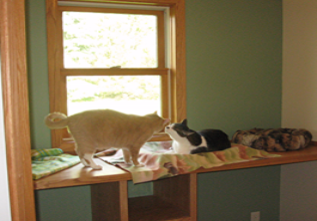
{"type": "Point", "coordinates": [167, 127]}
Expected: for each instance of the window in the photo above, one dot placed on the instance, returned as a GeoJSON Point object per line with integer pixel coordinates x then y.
{"type": "Point", "coordinates": [129, 57]}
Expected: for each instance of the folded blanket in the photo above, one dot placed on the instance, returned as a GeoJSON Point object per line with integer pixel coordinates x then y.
{"type": "Point", "coordinates": [279, 139]}
{"type": "Point", "coordinates": [40, 154]}
{"type": "Point", "coordinates": [49, 161]}
{"type": "Point", "coordinates": [163, 162]}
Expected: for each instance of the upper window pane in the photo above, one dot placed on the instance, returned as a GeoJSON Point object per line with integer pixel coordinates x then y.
{"type": "Point", "coordinates": [104, 40]}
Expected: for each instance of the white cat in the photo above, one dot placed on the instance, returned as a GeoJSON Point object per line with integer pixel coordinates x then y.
{"type": "Point", "coordinates": [102, 129]}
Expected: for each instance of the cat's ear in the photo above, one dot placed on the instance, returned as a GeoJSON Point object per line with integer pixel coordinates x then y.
{"type": "Point", "coordinates": [166, 121]}
{"type": "Point", "coordinates": [155, 113]}
{"type": "Point", "coordinates": [184, 122]}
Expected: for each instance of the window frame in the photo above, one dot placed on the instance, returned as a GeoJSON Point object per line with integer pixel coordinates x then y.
{"type": "Point", "coordinates": [173, 77]}
{"type": "Point", "coordinates": [160, 70]}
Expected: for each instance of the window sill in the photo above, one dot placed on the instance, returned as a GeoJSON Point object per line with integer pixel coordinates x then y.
{"type": "Point", "coordinates": [304, 155]}
{"type": "Point", "coordinates": [78, 175]}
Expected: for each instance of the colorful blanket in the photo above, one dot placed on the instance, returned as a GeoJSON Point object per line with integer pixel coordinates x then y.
{"type": "Point", "coordinates": [49, 161]}
{"type": "Point", "coordinates": [160, 162]}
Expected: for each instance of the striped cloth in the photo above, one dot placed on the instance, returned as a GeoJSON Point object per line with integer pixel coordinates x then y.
{"type": "Point", "coordinates": [160, 162]}
{"type": "Point", "coordinates": [40, 154]}
{"type": "Point", "coordinates": [48, 161]}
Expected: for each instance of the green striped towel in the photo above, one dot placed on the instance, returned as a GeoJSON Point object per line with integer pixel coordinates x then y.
{"type": "Point", "coordinates": [49, 161]}
{"type": "Point", "coordinates": [38, 154]}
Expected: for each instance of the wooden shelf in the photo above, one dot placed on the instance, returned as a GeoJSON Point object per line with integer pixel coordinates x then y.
{"type": "Point", "coordinates": [79, 175]}
{"type": "Point", "coordinates": [173, 199]}
{"type": "Point", "coordinates": [154, 208]}
{"type": "Point", "coordinates": [307, 154]}
{"type": "Point", "coordinates": [109, 201]}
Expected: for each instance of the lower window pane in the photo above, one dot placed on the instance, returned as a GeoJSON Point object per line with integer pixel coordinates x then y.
{"type": "Point", "coordinates": [129, 94]}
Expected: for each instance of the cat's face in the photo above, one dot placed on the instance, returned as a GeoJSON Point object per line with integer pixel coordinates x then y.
{"type": "Point", "coordinates": [178, 130]}
{"type": "Point", "coordinates": [160, 122]}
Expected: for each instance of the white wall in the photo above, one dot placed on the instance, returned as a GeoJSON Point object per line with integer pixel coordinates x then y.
{"type": "Point", "coordinates": [299, 93]}
{"type": "Point", "coordinates": [299, 105]}
{"type": "Point", "coordinates": [5, 212]}
{"type": "Point", "coordinates": [298, 192]}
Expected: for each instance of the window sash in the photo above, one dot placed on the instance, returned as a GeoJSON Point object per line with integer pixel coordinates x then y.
{"type": "Point", "coordinates": [162, 72]}
{"type": "Point", "coordinates": [160, 26]}
{"type": "Point", "coordinates": [161, 69]}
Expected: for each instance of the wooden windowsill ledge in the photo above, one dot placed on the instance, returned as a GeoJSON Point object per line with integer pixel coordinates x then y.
{"type": "Point", "coordinates": [79, 175]}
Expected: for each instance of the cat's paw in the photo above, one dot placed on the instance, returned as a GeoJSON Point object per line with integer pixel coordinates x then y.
{"type": "Point", "coordinates": [84, 163]}
{"type": "Point", "coordinates": [139, 165]}
{"type": "Point", "coordinates": [129, 162]}
{"type": "Point", "coordinates": [97, 167]}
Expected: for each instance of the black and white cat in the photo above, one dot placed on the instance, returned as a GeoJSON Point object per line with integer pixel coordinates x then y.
{"type": "Point", "coordinates": [186, 141]}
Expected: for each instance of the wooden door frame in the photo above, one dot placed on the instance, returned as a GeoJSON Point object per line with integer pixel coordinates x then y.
{"type": "Point", "coordinates": [16, 109]}
{"type": "Point", "coordinates": [16, 105]}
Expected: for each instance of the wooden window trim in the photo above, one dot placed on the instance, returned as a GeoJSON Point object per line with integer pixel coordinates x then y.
{"type": "Point", "coordinates": [16, 109]}
{"type": "Point", "coordinates": [177, 62]}
{"type": "Point", "coordinates": [13, 49]}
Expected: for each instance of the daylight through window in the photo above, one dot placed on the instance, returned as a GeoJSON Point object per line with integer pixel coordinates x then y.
{"type": "Point", "coordinates": [112, 40]}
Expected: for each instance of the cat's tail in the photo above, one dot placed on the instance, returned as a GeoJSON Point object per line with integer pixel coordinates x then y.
{"type": "Point", "coordinates": [52, 124]}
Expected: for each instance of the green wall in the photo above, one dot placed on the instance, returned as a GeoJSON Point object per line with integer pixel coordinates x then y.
{"type": "Point", "coordinates": [234, 61]}
{"type": "Point", "coordinates": [233, 82]}
{"type": "Point", "coordinates": [37, 72]}
{"type": "Point", "coordinates": [233, 195]}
